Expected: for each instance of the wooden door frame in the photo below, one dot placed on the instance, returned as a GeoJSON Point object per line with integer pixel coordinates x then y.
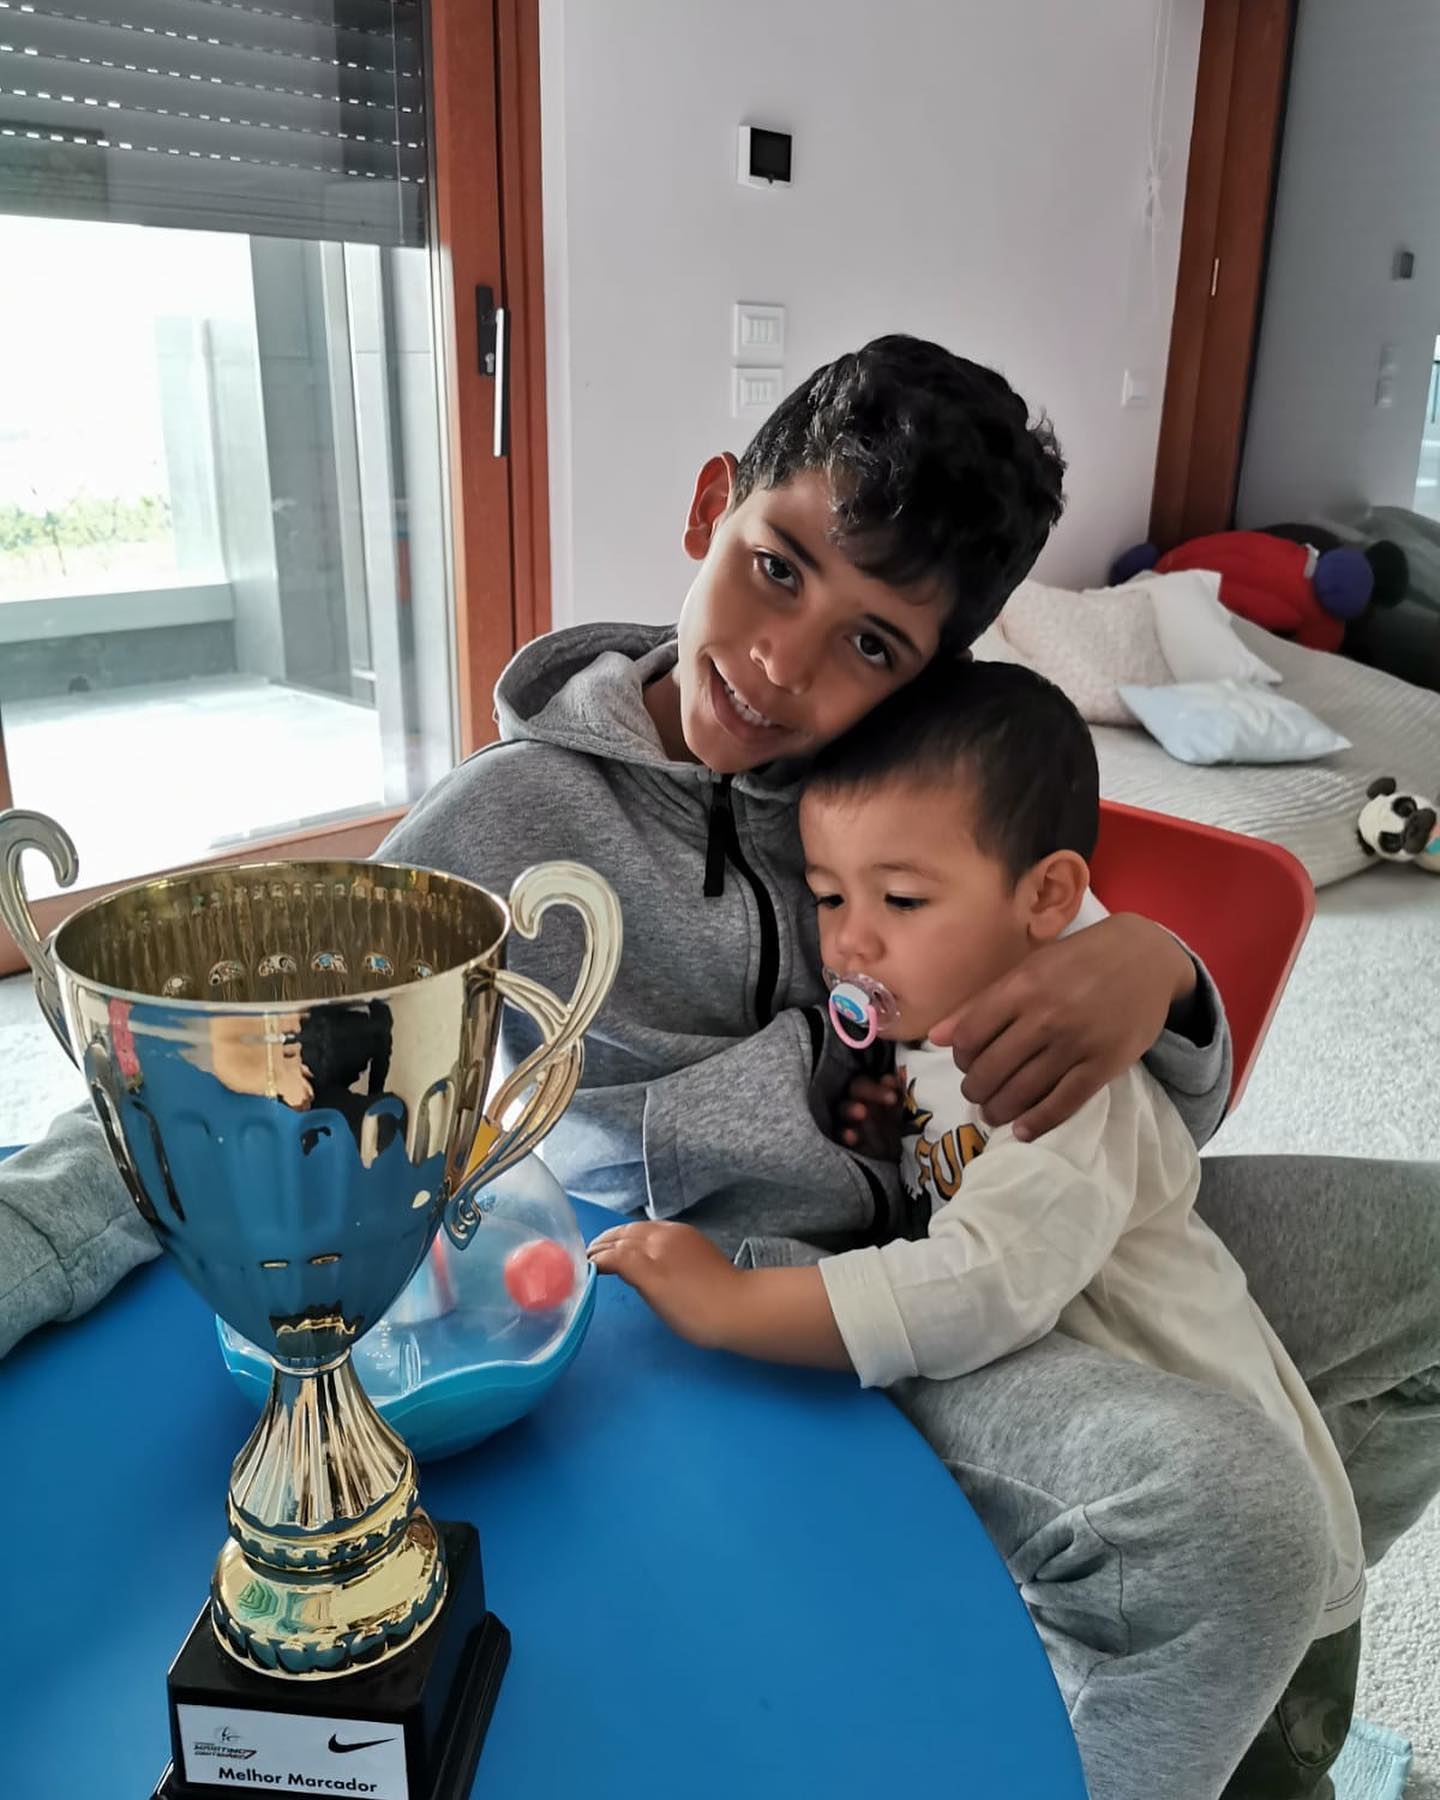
{"type": "Point", "coordinates": [485, 97]}
{"type": "Point", "coordinates": [1240, 94]}
{"type": "Point", "coordinates": [522, 244]}
{"type": "Point", "coordinates": [485, 133]}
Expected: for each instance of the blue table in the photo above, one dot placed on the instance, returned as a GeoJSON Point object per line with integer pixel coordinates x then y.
{"type": "Point", "coordinates": [723, 1580]}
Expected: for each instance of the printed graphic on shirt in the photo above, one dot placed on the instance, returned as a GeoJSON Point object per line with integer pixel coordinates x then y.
{"type": "Point", "coordinates": [940, 1132]}
{"type": "Point", "coordinates": [916, 1117]}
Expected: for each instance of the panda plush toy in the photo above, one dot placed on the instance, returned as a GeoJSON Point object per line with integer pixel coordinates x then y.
{"type": "Point", "coordinates": [1399, 827]}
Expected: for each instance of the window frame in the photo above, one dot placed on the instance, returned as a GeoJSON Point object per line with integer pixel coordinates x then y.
{"type": "Point", "coordinates": [485, 125]}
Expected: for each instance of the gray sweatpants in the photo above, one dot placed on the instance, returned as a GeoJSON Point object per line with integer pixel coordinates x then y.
{"type": "Point", "coordinates": [1167, 1539]}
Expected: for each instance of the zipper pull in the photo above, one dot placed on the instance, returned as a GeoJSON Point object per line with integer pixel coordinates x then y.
{"type": "Point", "coordinates": [717, 839]}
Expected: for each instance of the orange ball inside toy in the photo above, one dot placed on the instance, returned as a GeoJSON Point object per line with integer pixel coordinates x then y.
{"type": "Point", "coordinates": [539, 1276]}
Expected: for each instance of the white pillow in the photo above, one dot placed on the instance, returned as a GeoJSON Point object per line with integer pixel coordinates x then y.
{"type": "Point", "coordinates": [1197, 630]}
{"type": "Point", "coordinates": [993, 646]}
{"type": "Point", "coordinates": [1231, 722]}
{"type": "Point", "coordinates": [1087, 644]}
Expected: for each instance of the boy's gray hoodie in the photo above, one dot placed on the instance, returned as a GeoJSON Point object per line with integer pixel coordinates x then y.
{"type": "Point", "coordinates": [709, 1075]}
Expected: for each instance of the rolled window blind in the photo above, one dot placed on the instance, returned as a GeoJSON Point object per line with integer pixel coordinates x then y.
{"type": "Point", "coordinates": [292, 118]}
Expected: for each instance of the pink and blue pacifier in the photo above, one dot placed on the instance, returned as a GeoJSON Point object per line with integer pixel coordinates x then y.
{"type": "Point", "coordinates": [859, 1008]}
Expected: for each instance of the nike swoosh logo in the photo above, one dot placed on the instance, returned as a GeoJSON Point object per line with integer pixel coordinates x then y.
{"type": "Point", "coordinates": [365, 1744]}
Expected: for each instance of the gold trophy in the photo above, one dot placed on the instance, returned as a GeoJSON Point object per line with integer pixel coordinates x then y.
{"type": "Point", "coordinates": [291, 1063]}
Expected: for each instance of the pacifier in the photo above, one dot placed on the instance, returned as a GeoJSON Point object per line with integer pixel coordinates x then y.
{"type": "Point", "coordinates": [860, 1007]}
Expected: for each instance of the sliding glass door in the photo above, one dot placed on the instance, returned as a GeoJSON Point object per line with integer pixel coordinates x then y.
{"type": "Point", "coordinates": [228, 466]}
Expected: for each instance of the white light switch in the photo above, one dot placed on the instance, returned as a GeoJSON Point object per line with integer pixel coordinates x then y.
{"type": "Point", "coordinates": [1135, 389]}
{"type": "Point", "coordinates": [759, 331]}
{"type": "Point", "coordinates": [756, 392]}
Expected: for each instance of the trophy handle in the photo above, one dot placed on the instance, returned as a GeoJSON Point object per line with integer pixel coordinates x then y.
{"type": "Point", "coordinates": [21, 831]}
{"type": "Point", "coordinates": [553, 1071]}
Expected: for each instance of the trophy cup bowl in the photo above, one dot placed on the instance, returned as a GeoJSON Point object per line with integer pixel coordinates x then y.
{"type": "Point", "coordinates": [291, 1062]}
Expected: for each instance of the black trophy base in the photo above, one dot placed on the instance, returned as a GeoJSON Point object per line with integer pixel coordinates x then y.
{"type": "Point", "coordinates": [410, 1729]}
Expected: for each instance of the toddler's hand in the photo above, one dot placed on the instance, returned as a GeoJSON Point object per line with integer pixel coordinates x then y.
{"type": "Point", "coordinates": [693, 1286]}
{"type": "Point", "coordinates": [870, 1115]}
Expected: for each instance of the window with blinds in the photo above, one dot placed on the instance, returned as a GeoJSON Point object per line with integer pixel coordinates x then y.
{"type": "Point", "coordinates": [297, 119]}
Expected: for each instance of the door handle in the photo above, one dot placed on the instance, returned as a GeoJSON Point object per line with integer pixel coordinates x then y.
{"type": "Point", "coordinates": [492, 329]}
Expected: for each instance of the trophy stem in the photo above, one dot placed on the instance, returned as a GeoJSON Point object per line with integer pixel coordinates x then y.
{"type": "Point", "coordinates": [331, 1564]}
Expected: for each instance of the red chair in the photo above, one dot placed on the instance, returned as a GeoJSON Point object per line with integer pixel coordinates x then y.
{"type": "Point", "coordinates": [1241, 904]}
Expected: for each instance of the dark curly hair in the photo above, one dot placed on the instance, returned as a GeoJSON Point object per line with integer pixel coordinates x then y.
{"type": "Point", "coordinates": [1012, 737]}
{"type": "Point", "coordinates": [935, 470]}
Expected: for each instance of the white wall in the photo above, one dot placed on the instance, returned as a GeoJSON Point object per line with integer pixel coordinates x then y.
{"type": "Point", "coordinates": [1359, 177]}
{"type": "Point", "coordinates": [965, 169]}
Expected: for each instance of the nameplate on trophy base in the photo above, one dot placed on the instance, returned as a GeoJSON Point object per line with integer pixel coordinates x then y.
{"type": "Point", "coordinates": [409, 1729]}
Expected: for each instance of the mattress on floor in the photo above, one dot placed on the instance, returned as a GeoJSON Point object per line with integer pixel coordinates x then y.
{"type": "Point", "coordinates": [1310, 808]}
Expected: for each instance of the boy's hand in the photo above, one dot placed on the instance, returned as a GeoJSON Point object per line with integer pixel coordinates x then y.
{"type": "Point", "coordinates": [1044, 1039]}
{"type": "Point", "coordinates": [869, 1117]}
{"type": "Point", "coordinates": [694, 1287]}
